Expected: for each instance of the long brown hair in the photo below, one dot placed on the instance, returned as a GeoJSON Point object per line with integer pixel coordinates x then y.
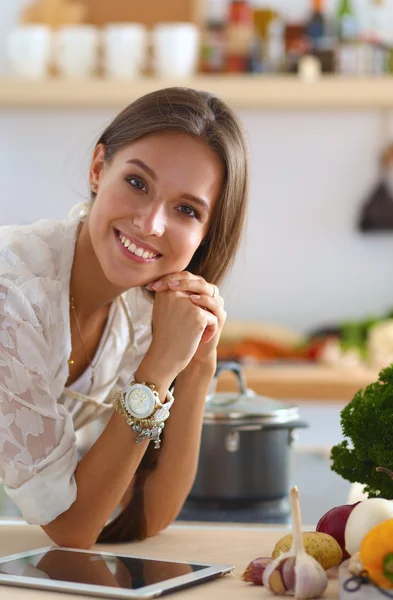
{"type": "Point", "coordinates": [206, 117]}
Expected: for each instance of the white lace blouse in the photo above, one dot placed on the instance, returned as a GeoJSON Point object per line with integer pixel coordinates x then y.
{"type": "Point", "coordinates": [38, 414]}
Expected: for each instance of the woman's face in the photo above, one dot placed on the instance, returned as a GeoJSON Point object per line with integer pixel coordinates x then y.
{"type": "Point", "coordinates": [153, 206]}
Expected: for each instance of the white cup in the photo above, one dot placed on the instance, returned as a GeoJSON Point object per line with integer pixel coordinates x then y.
{"type": "Point", "coordinates": [176, 49]}
{"type": "Point", "coordinates": [124, 49]}
{"type": "Point", "coordinates": [76, 51]}
{"type": "Point", "coordinates": [29, 50]}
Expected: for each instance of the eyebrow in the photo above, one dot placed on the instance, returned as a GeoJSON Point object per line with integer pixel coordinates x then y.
{"type": "Point", "coordinates": [144, 166]}
{"type": "Point", "coordinates": [200, 201]}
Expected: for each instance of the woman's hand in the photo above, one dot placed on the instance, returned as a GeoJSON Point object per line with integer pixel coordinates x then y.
{"type": "Point", "coordinates": [206, 297]}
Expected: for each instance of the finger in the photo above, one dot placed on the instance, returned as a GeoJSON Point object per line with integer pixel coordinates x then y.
{"type": "Point", "coordinates": [159, 284]}
{"type": "Point", "coordinates": [214, 305]}
{"type": "Point", "coordinates": [193, 285]}
{"type": "Point", "coordinates": [212, 309]}
{"type": "Point", "coordinates": [172, 281]}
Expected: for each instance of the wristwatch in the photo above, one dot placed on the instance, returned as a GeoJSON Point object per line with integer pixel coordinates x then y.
{"type": "Point", "coordinates": [141, 399]}
{"type": "Point", "coordinates": [144, 412]}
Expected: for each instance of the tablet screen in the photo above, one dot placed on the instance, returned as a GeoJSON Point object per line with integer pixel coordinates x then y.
{"type": "Point", "coordinates": [96, 569]}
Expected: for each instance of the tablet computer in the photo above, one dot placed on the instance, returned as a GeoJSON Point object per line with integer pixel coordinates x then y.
{"type": "Point", "coordinates": [103, 573]}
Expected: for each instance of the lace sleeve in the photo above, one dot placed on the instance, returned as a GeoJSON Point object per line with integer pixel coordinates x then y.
{"type": "Point", "coordinates": [38, 453]}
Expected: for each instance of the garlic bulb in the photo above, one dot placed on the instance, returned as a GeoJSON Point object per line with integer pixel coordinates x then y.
{"type": "Point", "coordinates": [295, 571]}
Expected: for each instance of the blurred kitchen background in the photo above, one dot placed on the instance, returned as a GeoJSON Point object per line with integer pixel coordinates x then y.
{"type": "Point", "coordinates": [310, 299]}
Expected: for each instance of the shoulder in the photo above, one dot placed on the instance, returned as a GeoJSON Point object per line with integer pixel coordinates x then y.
{"type": "Point", "coordinates": [34, 262]}
{"type": "Point", "coordinates": [37, 248]}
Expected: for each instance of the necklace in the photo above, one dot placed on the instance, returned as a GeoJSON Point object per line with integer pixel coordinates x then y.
{"type": "Point", "coordinates": [92, 366]}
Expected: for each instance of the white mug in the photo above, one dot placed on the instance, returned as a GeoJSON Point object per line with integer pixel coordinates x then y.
{"type": "Point", "coordinates": [176, 49]}
{"type": "Point", "coordinates": [76, 51]}
{"type": "Point", "coordinates": [29, 51]}
{"type": "Point", "coordinates": [124, 49]}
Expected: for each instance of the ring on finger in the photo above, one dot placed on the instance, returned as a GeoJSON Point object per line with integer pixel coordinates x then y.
{"type": "Point", "coordinates": [215, 291]}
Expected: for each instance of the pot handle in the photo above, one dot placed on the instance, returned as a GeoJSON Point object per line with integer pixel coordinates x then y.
{"type": "Point", "coordinates": [259, 426]}
{"type": "Point", "coordinates": [237, 370]}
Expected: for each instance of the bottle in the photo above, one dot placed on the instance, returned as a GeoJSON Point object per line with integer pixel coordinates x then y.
{"type": "Point", "coordinates": [316, 26]}
{"type": "Point", "coordinates": [379, 21]}
{"type": "Point", "coordinates": [239, 36]}
{"type": "Point", "coordinates": [275, 52]}
{"type": "Point", "coordinates": [212, 47]}
{"type": "Point", "coordinates": [347, 26]}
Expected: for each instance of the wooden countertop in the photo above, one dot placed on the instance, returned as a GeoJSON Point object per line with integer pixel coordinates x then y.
{"type": "Point", "coordinates": [302, 382]}
{"type": "Point", "coordinates": [237, 545]}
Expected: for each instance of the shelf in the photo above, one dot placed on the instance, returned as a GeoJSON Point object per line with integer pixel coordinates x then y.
{"type": "Point", "coordinates": [302, 382]}
{"type": "Point", "coordinates": [248, 91]}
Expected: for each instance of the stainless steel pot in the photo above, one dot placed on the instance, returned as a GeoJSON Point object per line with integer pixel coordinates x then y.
{"type": "Point", "coordinates": [245, 447]}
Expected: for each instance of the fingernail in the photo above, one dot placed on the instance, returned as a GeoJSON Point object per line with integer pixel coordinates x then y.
{"type": "Point", "coordinates": [156, 285]}
{"type": "Point", "coordinates": [174, 283]}
{"type": "Point", "coordinates": [148, 287]}
{"type": "Point", "coordinates": [195, 297]}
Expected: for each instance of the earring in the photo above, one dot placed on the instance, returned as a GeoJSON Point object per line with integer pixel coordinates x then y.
{"type": "Point", "coordinates": [94, 187]}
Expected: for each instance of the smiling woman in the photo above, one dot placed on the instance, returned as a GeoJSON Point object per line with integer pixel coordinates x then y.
{"type": "Point", "coordinates": [100, 314]}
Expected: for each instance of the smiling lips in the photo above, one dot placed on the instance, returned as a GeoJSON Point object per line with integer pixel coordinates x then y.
{"type": "Point", "coordinates": [134, 249]}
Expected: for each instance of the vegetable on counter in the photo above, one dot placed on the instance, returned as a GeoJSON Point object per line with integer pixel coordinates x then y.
{"type": "Point", "coordinates": [321, 546]}
{"type": "Point", "coordinates": [367, 423]}
{"type": "Point", "coordinates": [364, 517]}
{"type": "Point", "coordinates": [376, 554]}
{"type": "Point", "coordinates": [296, 571]}
{"type": "Point", "coordinates": [333, 523]}
{"type": "Point", "coordinates": [254, 571]}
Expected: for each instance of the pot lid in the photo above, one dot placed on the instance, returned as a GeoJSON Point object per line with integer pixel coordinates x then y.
{"type": "Point", "coordinates": [245, 404]}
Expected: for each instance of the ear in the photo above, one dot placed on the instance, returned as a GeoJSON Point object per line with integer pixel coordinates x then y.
{"type": "Point", "coordinates": [97, 165]}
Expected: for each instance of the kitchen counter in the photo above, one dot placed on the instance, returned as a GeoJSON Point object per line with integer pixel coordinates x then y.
{"type": "Point", "coordinates": [225, 544]}
{"type": "Point", "coordinates": [302, 381]}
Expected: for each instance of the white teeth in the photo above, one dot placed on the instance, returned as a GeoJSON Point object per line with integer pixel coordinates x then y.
{"type": "Point", "coordinates": [134, 249]}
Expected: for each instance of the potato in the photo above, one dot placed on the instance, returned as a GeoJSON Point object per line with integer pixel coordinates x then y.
{"type": "Point", "coordinates": [321, 546]}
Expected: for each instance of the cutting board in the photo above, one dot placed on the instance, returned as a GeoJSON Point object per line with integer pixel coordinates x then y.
{"type": "Point", "coordinates": [148, 12]}
{"type": "Point", "coordinates": [366, 592]}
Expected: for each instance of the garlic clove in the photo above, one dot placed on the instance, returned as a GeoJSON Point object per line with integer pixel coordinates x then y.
{"type": "Point", "coordinates": [254, 571]}
{"type": "Point", "coordinates": [276, 583]}
{"type": "Point", "coordinates": [310, 577]}
{"type": "Point", "coordinates": [276, 575]}
{"type": "Point", "coordinates": [275, 565]}
{"type": "Point", "coordinates": [289, 574]}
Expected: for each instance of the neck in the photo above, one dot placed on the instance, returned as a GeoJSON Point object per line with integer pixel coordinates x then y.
{"type": "Point", "coordinates": [89, 285]}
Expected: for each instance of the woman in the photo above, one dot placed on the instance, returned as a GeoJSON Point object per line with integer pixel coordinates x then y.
{"type": "Point", "coordinates": [108, 311]}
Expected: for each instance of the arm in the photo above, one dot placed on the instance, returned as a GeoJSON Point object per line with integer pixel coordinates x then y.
{"type": "Point", "coordinates": [105, 472]}
{"type": "Point", "coordinates": [178, 459]}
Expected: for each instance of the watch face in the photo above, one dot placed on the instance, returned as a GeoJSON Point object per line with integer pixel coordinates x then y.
{"type": "Point", "coordinates": [140, 401]}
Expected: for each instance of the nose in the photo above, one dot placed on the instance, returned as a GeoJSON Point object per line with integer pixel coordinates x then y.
{"type": "Point", "coordinates": [150, 219]}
